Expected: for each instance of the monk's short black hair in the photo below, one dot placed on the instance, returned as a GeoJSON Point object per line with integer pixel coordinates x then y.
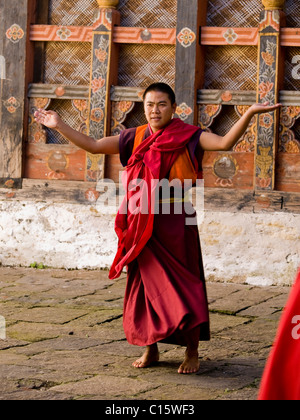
{"type": "Point", "coordinates": [161, 87]}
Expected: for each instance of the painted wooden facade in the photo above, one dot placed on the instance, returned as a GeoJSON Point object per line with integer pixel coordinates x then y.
{"type": "Point", "coordinates": [92, 62]}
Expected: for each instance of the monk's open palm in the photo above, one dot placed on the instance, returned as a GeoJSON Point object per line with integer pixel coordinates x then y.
{"type": "Point", "coordinates": [48, 118]}
{"type": "Point", "coordinates": [264, 108]}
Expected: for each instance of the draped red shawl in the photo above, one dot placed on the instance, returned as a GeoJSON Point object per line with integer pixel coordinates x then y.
{"type": "Point", "coordinates": [281, 380]}
{"type": "Point", "coordinates": [150, 162]}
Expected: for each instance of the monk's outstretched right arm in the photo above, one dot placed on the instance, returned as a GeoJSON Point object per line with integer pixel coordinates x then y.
{"type": "Point", "coordinates": [107, 145]}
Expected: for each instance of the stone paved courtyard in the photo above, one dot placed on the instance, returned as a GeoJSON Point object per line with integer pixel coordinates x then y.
{"type": "Point", "coordinates": [64, 340]}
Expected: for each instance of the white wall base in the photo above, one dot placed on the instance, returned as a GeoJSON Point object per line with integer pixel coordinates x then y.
{"type": "Point", "coordinates": [259, 249]}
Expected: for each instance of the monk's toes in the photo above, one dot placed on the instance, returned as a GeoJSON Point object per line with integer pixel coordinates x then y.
{"type": "Point", "coordinates": [181, 370]}
{"type": "Point", "coordinates": [138, 364]}
{"type": "Point", "coordinates": [187, 370]}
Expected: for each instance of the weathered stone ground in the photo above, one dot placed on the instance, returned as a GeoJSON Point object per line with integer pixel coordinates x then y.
{"type": "Point", "coordinates": [64, 340]}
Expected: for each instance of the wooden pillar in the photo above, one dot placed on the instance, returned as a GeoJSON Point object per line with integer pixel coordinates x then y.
{"type": "Point", "coordinates": [189, 58]}
{"type": "Point", "coordinates": [13, 36]}
{"type": "Point", "coordinates": [270, 77]}
{"type": "Point", "coordinates": [104, 74]}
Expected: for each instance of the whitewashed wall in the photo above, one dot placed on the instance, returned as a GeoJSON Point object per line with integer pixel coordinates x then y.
{"type": "Point", "coordinates": [260, 249]}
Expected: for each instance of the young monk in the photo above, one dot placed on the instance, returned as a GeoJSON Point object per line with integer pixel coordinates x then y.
{"type": "Point", "coordinates": [165, 298]}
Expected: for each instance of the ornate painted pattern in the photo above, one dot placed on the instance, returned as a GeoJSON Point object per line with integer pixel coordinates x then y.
{"type": "Point", "coordinates": [15, 33]}
{"type": "Point", "coordinates": [225, 168]}
{"type": "Point", "coordinates": [267, 92]}
{"type": "Point", "coordinates": [12, 104]}
{"type": "Point", "coordinates": [120, 110]}
{"type": "Point", "coordinates": [231, 36]}
{"type": "Point", "coordinates": [99, 84]}
{"type": "Point", "coordinates": [99, 90]}
{"type": "Point", "coordinates": [81, 106]}
{"type": "Point", "coordinates": [247, 143]}
{"type": "Point", "coordinates": [186, 37]}
{"type": "Point", "coordinates": [287, 140]}
{"type": "Point", "coordinates": [63, 33]}
{"type": "Point", "coordinates": [207, 114]}
{"type": "Point", "coordinates": [183, 111]}
{"type": "Point", "coordinates": [36, 133]}
{"type": "Point", "coordinates": [271, 19]}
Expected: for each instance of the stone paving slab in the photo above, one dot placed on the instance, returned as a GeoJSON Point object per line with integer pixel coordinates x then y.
{"type": "Point", "coordinates": [65, 341]}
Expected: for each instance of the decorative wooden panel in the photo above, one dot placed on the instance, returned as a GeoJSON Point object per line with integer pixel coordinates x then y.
{"type": "Point", "coordinates": [222, 75]}
{"type": "Point", "coordinates": [12, 84]}
{"type": "Point", "coordinates": [232, 13]}
{"type": "Point", "coordinates": [228, 170]}
{"type": "Point", "coordinates": [268, 91]}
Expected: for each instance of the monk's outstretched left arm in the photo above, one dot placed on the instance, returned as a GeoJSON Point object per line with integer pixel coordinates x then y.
{"type": "Point", "coordinates": [213, 142]}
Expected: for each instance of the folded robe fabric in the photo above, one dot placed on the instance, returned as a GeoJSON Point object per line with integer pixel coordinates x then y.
{"type": "Point", "coordinates": [150, 162]}
{"type": "Point", "coordinates": [281, 379]}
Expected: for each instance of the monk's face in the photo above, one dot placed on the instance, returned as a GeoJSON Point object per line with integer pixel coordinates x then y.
{"type": "Point", "coordinates": [158, 110]}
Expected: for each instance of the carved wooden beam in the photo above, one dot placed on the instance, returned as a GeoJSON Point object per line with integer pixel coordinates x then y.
{"type": "Point", "coordinates": [104, 74]}
{"type": "Point", "coordinates": [122, 35]}
{"type": "Point", "coordinates": [37, 90]}
{"type": "Point", "coordinates": [134, 94]}
{"type": "Point", "coordinates": [229, 36]}
{"type": "Point", "coordinates": [189, 58]}
{"type": "Point", "coordinates": [13, 48]}
{"type": "Point", "coordinates": [270, 74]}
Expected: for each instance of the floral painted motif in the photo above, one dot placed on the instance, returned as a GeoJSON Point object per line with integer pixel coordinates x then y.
{"type": "Point", "coordinates": [101, 55]}
{"type": "Point", "coordinates": [264, 160]}
{"type": "Point", "coordinates": [186, 37]}
{"type": "Point", "coordinates": [207, 114]}
{"type": "Point", "coordinates": [15, 33]}
{"type": "Point", "coordinates": [267, 73]}
{"type": "Point", "coordinates": [287, 140]}
{"type": "Point", "coordinates": [36, 132]}
{"type": "Point", "coordinates": [268, 58]}
{"type": "Point", "coordinates": [81, 106]}
{"type": "Point", "coordinates": [183, 111]}
{"type": "Point", "coordinates": [247, 142]}
{"type": "Point", "coordinates": [97, 84]}
{"type": "Point", "coordinates": [97, 115]}
{"type": "Point", "coordinates": [63, 33]}
{"type": "Point", "coordinates": [230, 36]}
{"type": "Point", "coordinates": [266, 120]}
{"type": "Point", "coordinates": [97, 124]}
{"type": "Point", "coordinates": [120, 110]}
{"type": "Point", "coordinates": [12, 104]}
{"type": "Point", "coordinates": [265, 90]}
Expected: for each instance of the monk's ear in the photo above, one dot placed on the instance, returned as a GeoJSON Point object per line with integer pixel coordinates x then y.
{"type": "Point", "coordinates": [174, 108]}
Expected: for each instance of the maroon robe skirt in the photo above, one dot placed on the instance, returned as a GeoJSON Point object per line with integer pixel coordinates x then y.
{"type": "Point", "coordinates": [166, 295]}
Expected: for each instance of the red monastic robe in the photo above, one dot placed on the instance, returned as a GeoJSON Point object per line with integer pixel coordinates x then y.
{"type": "Point", "coordinates": [165, 294]}
{"type": "Point", "coordinates": [281, 380]}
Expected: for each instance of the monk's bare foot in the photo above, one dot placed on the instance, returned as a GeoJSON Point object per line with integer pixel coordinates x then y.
{"type": "Point", "coordinates": [150, 357]}
{"type": "Point", "coordinates": [191, 362]}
